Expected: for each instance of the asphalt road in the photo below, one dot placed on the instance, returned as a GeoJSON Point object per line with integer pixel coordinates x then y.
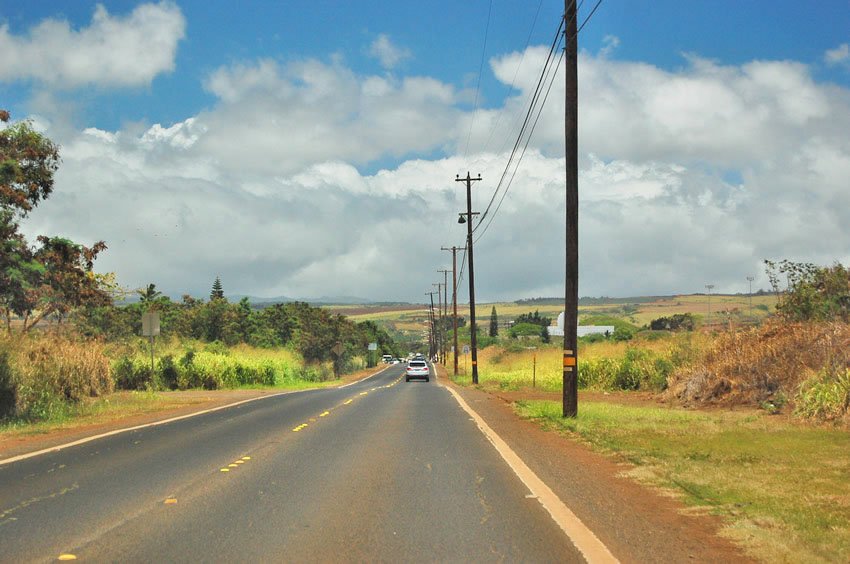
{"type": "Point", "coordinates": [381, 470]}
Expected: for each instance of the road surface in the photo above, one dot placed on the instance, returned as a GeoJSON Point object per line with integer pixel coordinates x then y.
{"type": "Point", "coordinates": [381, 470]}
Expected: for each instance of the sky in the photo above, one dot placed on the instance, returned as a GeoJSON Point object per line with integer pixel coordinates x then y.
{"type": "Point", "coordinates": [309, 149]}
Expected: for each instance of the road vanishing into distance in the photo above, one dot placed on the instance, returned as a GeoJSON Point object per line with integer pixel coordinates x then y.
{"type": "Point", "coordinates": [380, 470]}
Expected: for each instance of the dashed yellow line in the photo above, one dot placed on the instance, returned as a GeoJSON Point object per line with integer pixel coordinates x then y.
{"type": "Point", "coordinates": [67, 557]}
{"type": "Point", "coordinates": [324, 414]}
{"type": "Point", "coordinates": [346, 402]}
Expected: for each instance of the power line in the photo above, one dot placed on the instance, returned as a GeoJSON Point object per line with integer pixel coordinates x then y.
{"type": "Point", "coordinates": [546, 69]}
{"type": "Point", "coordinates": [516, 73]}
{"type": "Point", "coordinates": [519, 160]}
{"type": "Point", "coordinates": [478, 86]}
{"type": "Point", "coordinates": [535, 97]}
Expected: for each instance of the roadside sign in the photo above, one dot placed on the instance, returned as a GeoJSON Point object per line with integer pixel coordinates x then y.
{"type": "Point", "coordinates": [373, 346]}
{"type": "Point", "coordinates": [337, 350]}
{"type": "Point", "coordinates": [150, 324]}
{"type": "Point", "coordinates": [465, 349]}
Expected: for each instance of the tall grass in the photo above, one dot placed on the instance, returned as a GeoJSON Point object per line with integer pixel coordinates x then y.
{"type": "Point", "coordinates": [607, 365]}
{"type": "Point", "coordinates": [213, 366]}
{"type": "Point", "coordinates": [41, 374]}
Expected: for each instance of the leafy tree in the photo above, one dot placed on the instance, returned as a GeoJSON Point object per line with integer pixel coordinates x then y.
{"type": "Point", "coordinates": [28, 161]}
{"type": "Point", "coordinates": [66, 281]}
{"type": "Point", "coordinates": [217, 292]}
{"type": "Point", "coordinates": [148, 295]}
{"type": "Point", "coordinates": [676, 322]}
{"type": "Point", "coordinates": [533, 318]}
{"type": "Point", "coordinates": [19, 272]}
{"type": "Point", "coordinates": [494, 323]}
{"type": "Point", "coordinates": [812, 292]}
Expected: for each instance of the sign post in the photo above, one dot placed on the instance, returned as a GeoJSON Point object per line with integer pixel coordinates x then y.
{"type": "Point", "coordinates": [372, 360]}
{"type": "Point", "coordinates": [150, 329]}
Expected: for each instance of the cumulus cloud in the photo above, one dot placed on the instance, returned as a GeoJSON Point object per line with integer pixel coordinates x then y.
{"type": "Point", "coordinates": [113, 51]}
{"type": "Point", "coordinates": [687, 177]}
{"type": "Point", "coordinates": [279, 119]}
{"type": "Point", "coordinates": [839, 55]}
{"type": "Point", "coordinates": [387, 53]}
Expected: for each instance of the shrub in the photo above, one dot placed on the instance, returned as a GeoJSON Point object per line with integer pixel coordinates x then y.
{"type": "Point", "coordinates": [8, 390]}
{"type": "Point", "coordinates": [825, 397]}
{"type": "Point", "coordinates": [133, 375]}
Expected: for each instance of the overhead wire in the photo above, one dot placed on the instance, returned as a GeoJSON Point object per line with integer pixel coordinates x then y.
{"type": "Point", "coordinates": [486, 215]}
{"type": "Point", "coordinates": [531, 106]}
{"type": "Point", "coordinates": [516, 73]}
{"type": "Point", "coordinates": [478, 85]}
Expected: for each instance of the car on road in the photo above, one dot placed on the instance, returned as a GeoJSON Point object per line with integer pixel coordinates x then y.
{"type": "Point", "coordinates": [417, 369]}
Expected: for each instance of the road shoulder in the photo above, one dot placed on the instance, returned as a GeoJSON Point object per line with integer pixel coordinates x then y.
{"type": "Point", "coordinates": [635, 522]}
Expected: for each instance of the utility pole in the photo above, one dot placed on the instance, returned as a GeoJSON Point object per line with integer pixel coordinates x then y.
{"type": "Point", "coordinates": [473, 338]}
{"type": "Point", "coordinates": [439, 321]}
{"type": "Point", "coordinates": [570, 374]}
{"type": "Point", "coordinates": [431, 336]}
{"type": "Point", "coordinates": [444, 350]}
{"type": "Point", "coordinates": [750, 280]}
{"type": "Point", "coordinates": [709, 287]}
{"type": "Point", "coordinates": [454, 251]}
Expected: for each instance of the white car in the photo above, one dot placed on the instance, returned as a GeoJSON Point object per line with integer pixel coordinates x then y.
{"type": "Point", "coordinates": [417, 369]}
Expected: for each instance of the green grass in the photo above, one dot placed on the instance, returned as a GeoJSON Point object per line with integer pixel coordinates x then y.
{"type": "Point", "coordinates": [783, 489]}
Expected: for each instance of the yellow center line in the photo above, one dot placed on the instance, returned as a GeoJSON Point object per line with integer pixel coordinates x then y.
{"type": "Point", "coordinates": [246, 458]}
{"type": "Point", "coordinates": [347, 402]}
{"type": "Point", "coordinates": [324, 414]}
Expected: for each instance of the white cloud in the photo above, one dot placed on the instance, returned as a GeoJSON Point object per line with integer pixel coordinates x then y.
{"type": "Point", "coordinates": [687, 178]}
{"type": "Point", "coordinates": [281, 119]}
{"type": "Point", "coordinates": [389, 54]}
{"type": "Point", "coordinates": [840, 54]}
{"type": "Point", "coordinates": [112, 51]}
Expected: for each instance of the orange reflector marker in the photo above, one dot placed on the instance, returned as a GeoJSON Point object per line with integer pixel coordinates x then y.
{"type": "Point", "coordinates": [569, 360]}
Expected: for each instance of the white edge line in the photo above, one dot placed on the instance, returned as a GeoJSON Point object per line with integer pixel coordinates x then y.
{"type": "Point", "coordinates": [581, 536]}
{"type": "Point", "coordinates": [85, 440]}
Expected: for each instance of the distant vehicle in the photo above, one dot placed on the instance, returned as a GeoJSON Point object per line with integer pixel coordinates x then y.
{"type": "Point", "coordinates": [417, 369]}
{"type": "Point", "coordinates": [387, 358]}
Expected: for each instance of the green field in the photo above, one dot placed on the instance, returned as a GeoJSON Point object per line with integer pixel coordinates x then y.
{"type": "Point", "coordinates": [408, 323]}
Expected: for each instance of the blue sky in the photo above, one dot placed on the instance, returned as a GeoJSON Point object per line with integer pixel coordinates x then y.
{"type": "Point", "coordinates": [687, 110]}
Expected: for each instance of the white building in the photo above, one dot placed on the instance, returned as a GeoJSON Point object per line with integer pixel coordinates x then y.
{"type": "Point", "coordinates": [581, 330]}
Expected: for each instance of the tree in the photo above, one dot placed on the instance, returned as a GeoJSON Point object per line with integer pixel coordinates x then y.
{"type": "Point", "coordinates": [28, 161]}
{"type": "Point", "coordinates": [217, 292]}
{"type": "Point", "coordinates": [149, 295]}
{"type": "Point", "coordinates": [812, 293]}
{"type": "Point", "coordinates": [66, 281]}
{"type": "Point", "coordinates": [19, 272]}
{"type": "Point", "coordinates": [494, 323]}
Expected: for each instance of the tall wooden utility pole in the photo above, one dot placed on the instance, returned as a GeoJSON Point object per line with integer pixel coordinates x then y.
{"type": "Point", "coordinates": [473, 338]}
{"type": "Point", "coordinates": [454, 251]}
{"type": "Point", "coordinates": [444, 350]}
{"type": "Point", "coordinates": [431, 337]}
{"type": "Point", "coordinates": [439, 321]}
{"type": "Point", "coordinates": [570, 377]}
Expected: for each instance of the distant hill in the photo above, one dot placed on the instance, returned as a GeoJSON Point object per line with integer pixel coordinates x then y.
{"type": "Point", "coordinates": [587, 300]}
